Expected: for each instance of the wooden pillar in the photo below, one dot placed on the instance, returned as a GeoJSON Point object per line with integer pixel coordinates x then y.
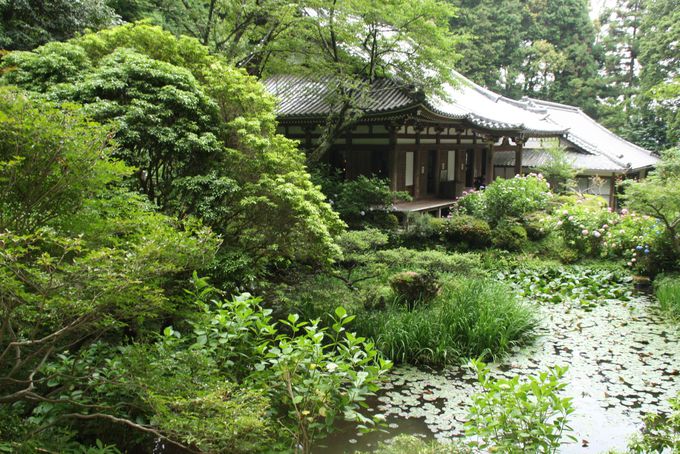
{"type": "Point", "coordinates": [392, 159]}
{"type": "Point", "coordinates": [489, 165]}
{"type": "Point", "coordinates": [612, 191]}
{"type": "Point", "coordinates": [518, 156]}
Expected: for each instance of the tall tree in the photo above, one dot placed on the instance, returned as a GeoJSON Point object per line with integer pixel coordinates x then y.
{"type": "Point", "coordinates": [25, 24]}
{"type": "Point", "coordinates": [540, 48]}
{"type": "Point", "coordinates": [620, 38]}
{"type": "Point", "coordinates": [351, 42]}
{"type": "Point", "coordinates": [660, 60]}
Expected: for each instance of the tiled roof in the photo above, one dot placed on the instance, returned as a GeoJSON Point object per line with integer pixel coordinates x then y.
{"type": "Point", "coordinates": [304, 98]}
{"type": "Point", "coordinates": [301, 97]}
{"type": "Point", "coordinates": [592, 137]}
{"type": "Point", "coordinates": [536, 158]}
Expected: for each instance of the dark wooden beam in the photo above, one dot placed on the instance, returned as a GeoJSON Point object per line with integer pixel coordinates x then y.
{"type": "Point", "coordinates": [518, 155]}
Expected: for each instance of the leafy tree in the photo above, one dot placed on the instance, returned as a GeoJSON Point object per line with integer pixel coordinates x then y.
{"type": "Point", "coordinates": [84, 260]}
{"type": "Point", "coordinates": [658, 196]}
{"type": "Point", "coordinates": [202, 136]}
{"type": "Point", "coordinates": [544, 49]}
{"type": "Point", "coordinates": [29, 23]}
{"type": "Point", "coordinates": [620, 30]}
{"type": "Point", "coordinates": [559, 170]}
{"type": "Point", "coordinates": [660, 61]}
{"type": "Point", "coordinates": [349, 42]}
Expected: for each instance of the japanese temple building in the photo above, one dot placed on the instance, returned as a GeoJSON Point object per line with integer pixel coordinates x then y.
{"type": "Point", "coordinates": [435, 149]}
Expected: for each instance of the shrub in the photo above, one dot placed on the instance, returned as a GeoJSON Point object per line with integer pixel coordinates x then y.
{"type": "Point", "coordinates": [667, 290]}
{"type": "Point", "coordinates": [516, 197]}
{"type": "Point", "coordinates": [468, 230]}
{"type": "Point", "coordinates": [472, 203]}
{"type": "Point", "coordinates": [658, 196]}
{"type": "Point", "coordinates": [415, 287]}
{"type": "Point", "coordinates": [583, 225]}
{"type": "Point", "coordinates": [376, 298]}
{"type": "Point", "coordinates": [362, 202]}
{"type": "Point", "coordinates": [559, 170]}
{"type": "Point", "coordinates": [317, 375]}
{"type": "Point", "coordinates": [509, 235]}
{"type": "Point", "coordinates": [514, 415]}
{"type": "Point", "coordinates": [537, 225]}
{"type": "Point", "coordinates": [641, 241]}
{"type": "Point", "coordinates": [429, 260]}
{"type": "Point", "coordinates": [422, 230]}
{"type": "Point", "coordinates": [470, 317]}
{"type": "Point", "coordinates": [661, 432]}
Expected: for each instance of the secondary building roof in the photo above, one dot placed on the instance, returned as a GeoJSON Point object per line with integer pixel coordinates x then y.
{"type": "Point", "coordinates": [596, 147]}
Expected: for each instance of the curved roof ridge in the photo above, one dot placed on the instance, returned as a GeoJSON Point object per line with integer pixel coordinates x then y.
{"type": "Point", "coordinates": [475, 86]}
{"type": "Point", "coordinates": [553, 104]}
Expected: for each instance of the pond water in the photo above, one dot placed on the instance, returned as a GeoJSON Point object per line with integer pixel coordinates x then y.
{"type": "Point", "coordinates": [624, 361]}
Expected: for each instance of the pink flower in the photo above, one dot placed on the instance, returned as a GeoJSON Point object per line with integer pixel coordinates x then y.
{"type": "Point", "coordinates": [584, 232]}
{"type": "Point", "coordinates": [559, 223]}
{"type": "Point", "coordinates": [596, 234]}
{"type": "Point", "coordinates": [565, 212]}
{"type": "Point", "coordinates": [571, 218]}
{"type": "Point", "coordinates": [624, 212]}
{"type": "Point", "coordinates": [605, 226]}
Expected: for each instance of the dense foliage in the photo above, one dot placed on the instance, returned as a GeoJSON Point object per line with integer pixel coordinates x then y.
{"type": "Point", "coordinates": [134, 160]}
{"type": "Point", "coordinates": [521, 415]}
{"type": "Point", "coordinates": [201, 135]}
{"type": "Point", "coordinates": [99, 340]}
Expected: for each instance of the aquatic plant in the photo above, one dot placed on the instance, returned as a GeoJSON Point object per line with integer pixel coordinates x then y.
{"type": "Point", "coordinates": [667, 290]}
{"type": "Point", "coordinates": [409, 444]}
{"type": "Point", "coordinates": [661, 432]}
{"type": "Point", "coordinates": [581, 285]}
{"type": "Point", "coordinates": [520, 415]}
{"type": "Point", "coordinates": [470, 317]}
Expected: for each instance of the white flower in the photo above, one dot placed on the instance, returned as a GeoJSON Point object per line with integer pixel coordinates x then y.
{"type": "Point", "coordinates": [331, 367]}
{"type": "Point", "coordinates": [584, 232]}
{"type": "Point", "coordinates": [596, 234]}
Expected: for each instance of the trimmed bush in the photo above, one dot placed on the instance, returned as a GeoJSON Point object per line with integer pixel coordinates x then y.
{"type": "Point", "coordinates": [430, 260]}
{"type": "Point", "coordinates": [468, 231]}
{"type": "Point", "coordinates": [509, 235]}
{"type": "Point", "coordinates": [422, 230]}
{"type": "Point", "coordinates": [415, 287]}
{"type": "Point", "coordinates": [537, 226]}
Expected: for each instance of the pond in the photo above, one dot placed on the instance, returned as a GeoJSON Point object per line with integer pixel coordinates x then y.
{"type": "Point", "coordinates": [624, 361]}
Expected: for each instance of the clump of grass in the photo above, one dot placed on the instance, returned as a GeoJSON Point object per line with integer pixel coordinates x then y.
{"type": "Point", "coordinates": [667, 290]}
{"type": "Point", "coordinates": [470, 318]}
